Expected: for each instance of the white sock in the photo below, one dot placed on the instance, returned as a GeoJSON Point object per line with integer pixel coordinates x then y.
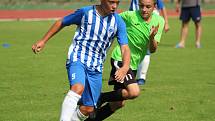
{"type": "Point", "coordinates": [69, 106]}
{"type": "Point", "coordinates": [143, 67]}
{"type": "Point", "coordinates": [78, 116]}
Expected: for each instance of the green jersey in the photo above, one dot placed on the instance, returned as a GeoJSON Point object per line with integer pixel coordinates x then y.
{"type": "Point", "coordinates": [138, 32]}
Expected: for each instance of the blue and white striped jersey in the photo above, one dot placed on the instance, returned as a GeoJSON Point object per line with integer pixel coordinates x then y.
{"type": "Point", "coordinates": [134, 5]}
{"type": "Point", "coordinates": [94, 35]}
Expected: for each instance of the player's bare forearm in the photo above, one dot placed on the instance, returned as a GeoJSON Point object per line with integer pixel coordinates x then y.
{"type": "Point", "coordinates": [56, 27]}
{"type": "Point", "coordinates": [152, 42]}
{"type": "Point", "coordinates": [39, 45]}
{"type": "Point", "coordinates": [177, 5]}
{"type": "Point", "coordinates": [126, 56]}
{"type": "Point", "coordinates": [153, 45]}
{"type": "Point", "coordinates": [164, 14]}
{"type": "Point", "coordinates": [121, 72]}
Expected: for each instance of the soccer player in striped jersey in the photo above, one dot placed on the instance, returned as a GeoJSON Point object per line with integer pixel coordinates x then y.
{"type": "Point", "coordinates": [144, 30]}
{"type": "Point", "coordinates": [143, 67]}
{"type": "Point", "coordinates": [97, 26]}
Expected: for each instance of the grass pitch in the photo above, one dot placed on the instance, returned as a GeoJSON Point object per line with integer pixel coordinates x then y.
{"type": "Point", "coordinates": [180, 84]}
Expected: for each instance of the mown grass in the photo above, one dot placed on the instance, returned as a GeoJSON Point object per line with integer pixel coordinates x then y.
{"type": "Point", "coordinates": [180, 84]}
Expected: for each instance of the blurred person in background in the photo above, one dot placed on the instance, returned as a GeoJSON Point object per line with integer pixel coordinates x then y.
{"type": "Point", "coordinates": [189, 9]}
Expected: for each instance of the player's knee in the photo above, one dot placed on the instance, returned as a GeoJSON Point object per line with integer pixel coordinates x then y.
{"type": "Point", "coordinates": [125, 93]}
{"type": "Point", "coordinates": [134, 94]}
{"type": "Point", "coordinates": [133, 91]}
{"type": "Point", "coordinates": [77, 88]}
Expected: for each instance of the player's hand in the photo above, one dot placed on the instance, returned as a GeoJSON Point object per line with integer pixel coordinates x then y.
{"type": "Point", "coordinates": [120, 74]}
{"type": "Point", "coordinates": [177, 9]}
{"type": "Point", "coordinates": [154, 31]}
{"type": "Point", "coordinates": [166, 28]}
{"type": "Point", "coordinates": [38, 46]}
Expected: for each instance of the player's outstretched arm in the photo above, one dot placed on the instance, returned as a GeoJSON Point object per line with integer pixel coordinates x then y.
{"type": "Point", "coordinates": [164, 14]}
{"type": "Point", "coordinates": [177, 6]}
{"type": "Point", "coordinates": [40, 44]}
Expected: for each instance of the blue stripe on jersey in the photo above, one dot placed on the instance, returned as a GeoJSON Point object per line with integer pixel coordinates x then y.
{"type": "Point", "coordinates": [134, 5]}
{"type": "Point", "coordinates": [88, 52]}
{"type": "Point", "coordinates": [95, 60]}
{"type": "Point", "coordinates": [81, 42]}
{"type": "Point", "coordinates": [94, 36]}
{"type": "Point", "coordinates": [107, 40]}
{"type": "Point", "coordinates": [103, 49]}
{"type": "Point", "coordinates": [92, 60]}
{"type": "Point", "coordinates": [98, 30]}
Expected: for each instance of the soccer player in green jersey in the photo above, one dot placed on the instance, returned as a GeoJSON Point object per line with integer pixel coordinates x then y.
{"type": "Point", "coordinates": [144, 30]}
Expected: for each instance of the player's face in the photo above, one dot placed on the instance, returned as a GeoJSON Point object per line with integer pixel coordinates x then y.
{"type": "Point", "coordinates": [109, 6]}
{"type": "Point", "coordinates": [146, 8]}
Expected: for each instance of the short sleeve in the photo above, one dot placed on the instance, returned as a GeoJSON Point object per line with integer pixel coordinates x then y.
{"type": "Point", "coordinates": [121, 31]}
{"type": "Point", "coordinates": [73, 18]}
{"type": "Point", "coordinates": [160, 29]}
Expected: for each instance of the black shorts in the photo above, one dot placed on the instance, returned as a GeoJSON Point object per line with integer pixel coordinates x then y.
{"type": "Point", "coordinates": [190, 12]}
{"type": "Point", "coordinates": [129, 79]}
